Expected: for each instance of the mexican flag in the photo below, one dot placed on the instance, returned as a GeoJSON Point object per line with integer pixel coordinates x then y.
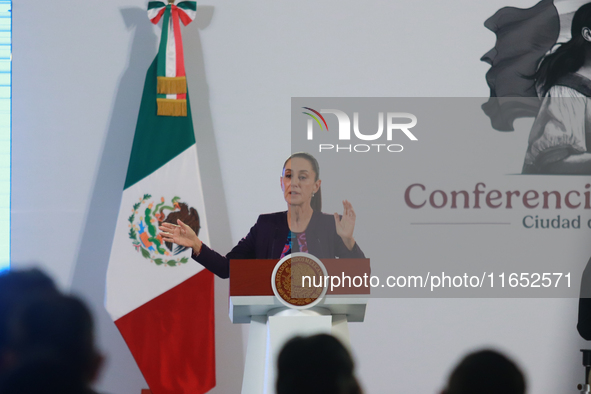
{"type": "Point", "coordinates": [160, 299]}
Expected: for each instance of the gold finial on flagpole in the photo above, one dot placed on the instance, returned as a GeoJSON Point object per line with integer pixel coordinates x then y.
{"type": "Point", "coordinates": [170, 1]}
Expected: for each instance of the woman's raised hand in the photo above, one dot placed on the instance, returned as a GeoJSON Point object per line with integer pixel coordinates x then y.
{"type": "Point", "coordinates": [181, 234]}
{"type": "Point", "coordinates": [346, 224]}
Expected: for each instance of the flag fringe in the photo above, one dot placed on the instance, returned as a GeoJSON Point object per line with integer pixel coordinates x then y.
{"type": "Point", "coordinates": [172, 107]}
{"type": "Point", "coordinates": [172, 85]}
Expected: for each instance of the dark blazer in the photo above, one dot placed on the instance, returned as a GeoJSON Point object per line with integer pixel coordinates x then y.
{"type": "Point", "coordinates": [268, 236]}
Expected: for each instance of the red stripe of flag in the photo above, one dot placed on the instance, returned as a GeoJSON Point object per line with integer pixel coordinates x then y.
{"type": "Point", "coordinates": [178, 42]}
{"type": "Point", "coordinates": [156, 19]}
{"type": "Point", "coordinates": [172, 336]}
{"type": "Point", "coordinates": [184, 17]}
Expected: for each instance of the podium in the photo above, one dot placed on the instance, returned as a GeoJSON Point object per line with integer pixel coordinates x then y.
{"type": "Point", "coordinates": [272, 323]}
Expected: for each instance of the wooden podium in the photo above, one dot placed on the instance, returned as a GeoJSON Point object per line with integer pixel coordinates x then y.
{"type": "Point", "coordinates": [272, 323]}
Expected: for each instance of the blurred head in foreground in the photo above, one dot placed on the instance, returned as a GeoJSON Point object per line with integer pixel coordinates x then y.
{"type": "Point", "coordinates": [319, 364]}
{"type": "Point", "coordinates": [18, 288]}
{"type": "Point", "coordinates": [486, 372]}
{"type": "Point", "coordinates": [47, 338]}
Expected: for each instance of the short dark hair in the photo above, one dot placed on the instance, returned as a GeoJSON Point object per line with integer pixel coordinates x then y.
{"type": "Point", "coordinates": [319, 364]}
{"type": "Point", "coordinates": [486, 372]}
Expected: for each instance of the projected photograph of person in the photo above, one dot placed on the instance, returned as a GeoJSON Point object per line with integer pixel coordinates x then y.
{"type": "Point", "coordinates": [541, 67]}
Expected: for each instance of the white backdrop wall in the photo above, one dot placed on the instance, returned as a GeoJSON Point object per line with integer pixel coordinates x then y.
{"type": "Point", "coordinates": [78, 73]}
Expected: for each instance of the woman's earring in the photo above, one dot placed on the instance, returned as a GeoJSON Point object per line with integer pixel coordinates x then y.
{"type": "Point", "coordinates": [312, 194]}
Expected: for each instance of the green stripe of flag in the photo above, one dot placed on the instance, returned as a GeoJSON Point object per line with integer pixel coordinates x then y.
{"type": "Point", "coordinates": [155, 4]}
{"type": "Point", "coordinates": [158, 139]}
{"type": "Point", "coordinates": [163, 43]}
{"type": "Point", "coordinates": [188, 5]}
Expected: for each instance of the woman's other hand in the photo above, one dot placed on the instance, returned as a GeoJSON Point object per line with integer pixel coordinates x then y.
{"type": "Point", "coordinates": [181, 234]}
{"type": "Point", "coordinates": [346, 224]}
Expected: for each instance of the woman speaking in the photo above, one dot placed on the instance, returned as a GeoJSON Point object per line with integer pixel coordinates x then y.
{"type": "Point", "coordinates": [302, 228]}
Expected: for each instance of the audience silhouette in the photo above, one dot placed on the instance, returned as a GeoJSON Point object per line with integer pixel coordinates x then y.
{"type": "Point", "coordinates": [486, 372]}
{"type": "Point", "coordinates": [46, 338]}
{"type": "Point", "coordinates": [319, 364]}
{"type": "Point", "coordinates": [47, 346]}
